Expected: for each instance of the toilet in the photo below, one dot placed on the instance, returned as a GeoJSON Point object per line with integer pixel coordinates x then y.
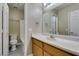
{"type": "Point", "coordinates": [13, 41]}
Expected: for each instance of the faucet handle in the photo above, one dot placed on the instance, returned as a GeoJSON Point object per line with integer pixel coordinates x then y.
{"type": "Point", "coordinates": [51, 36]}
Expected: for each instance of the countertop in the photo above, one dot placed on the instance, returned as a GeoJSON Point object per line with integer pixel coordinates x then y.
{"type": "Point", "coordinates": [70, 46]}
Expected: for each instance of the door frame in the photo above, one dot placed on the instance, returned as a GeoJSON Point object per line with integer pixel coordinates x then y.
{"type": "Point", "coordinates": [1, 29]}
{"type": "Point", "coordinates": [5, 29]}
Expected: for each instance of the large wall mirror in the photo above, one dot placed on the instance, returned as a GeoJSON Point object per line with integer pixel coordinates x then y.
{"type": "Point", "coordinates": [62, 19]}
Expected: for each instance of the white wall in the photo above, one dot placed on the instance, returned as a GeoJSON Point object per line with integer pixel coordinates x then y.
{"type": "Point", "coordinates": [16, 13]}
{"type": "Point", "coordinates": [33, 21]}
{"type": "Point", "coordinates": [34, 16]}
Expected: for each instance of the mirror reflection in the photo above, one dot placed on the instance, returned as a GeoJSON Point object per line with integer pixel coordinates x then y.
{"type": "Point", "coordinates": [61, 18]}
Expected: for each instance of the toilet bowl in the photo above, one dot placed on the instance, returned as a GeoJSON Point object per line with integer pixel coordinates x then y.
{"type": "Point", "coordinates": [13, 42]}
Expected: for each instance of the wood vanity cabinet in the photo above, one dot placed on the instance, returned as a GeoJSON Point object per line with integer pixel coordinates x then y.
{"type": "Point", "coordinates": [46, 53]}
{"type": "Point", "coordinates": [43, 49]}
{"type": "Point", "coordinates": [53, 51]}
{"type": "Point", "coordinates": [37, 51]}
{"type": "Point", "coordinates": [37, 47]}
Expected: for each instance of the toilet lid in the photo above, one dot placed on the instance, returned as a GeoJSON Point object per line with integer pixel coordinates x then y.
{"type": "Point", "coordinates": [13, 41]}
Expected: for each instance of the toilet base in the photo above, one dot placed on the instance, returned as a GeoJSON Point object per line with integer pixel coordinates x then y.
{"type": "Point", "coordinates": [13, 48]}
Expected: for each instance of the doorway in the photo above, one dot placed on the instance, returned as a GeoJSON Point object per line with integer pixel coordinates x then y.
{"type": "Point", "coordinates": [16, 15]}
{"type": "Point", "coordinates": [74, 23]}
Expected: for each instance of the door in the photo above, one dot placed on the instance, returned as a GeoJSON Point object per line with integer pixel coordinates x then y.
{"type": "Point", "coordinates": [22, 30]}
{"type": "Point", "coordinates": [54, 24]}
{"type": "Point", "coordinates": [0, 29]}
{"type": "Point", "coordinates": [5, 29]}
{"type": "Point", "coordinates": [74, 23]}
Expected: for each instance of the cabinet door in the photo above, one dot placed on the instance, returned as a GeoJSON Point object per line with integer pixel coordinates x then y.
{"type": "Point", "coordinates": [55, 51]}
{"type": "Point", "coordinates": [46, 54]}
{"type": "Point", "coordinates": [37, 42]}
{"type": "Point", "coordinates": [37, 51]}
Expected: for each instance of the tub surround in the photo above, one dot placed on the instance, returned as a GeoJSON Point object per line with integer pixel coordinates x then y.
{"type": "Point", "coordinates": [60, 41]}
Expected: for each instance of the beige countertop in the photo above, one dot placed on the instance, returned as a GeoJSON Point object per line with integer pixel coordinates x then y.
{"type": "Point", "coordinates": [62, 43]}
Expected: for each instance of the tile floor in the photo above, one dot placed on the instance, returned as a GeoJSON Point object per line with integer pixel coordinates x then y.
{"type": "Point", "coordinates": [18, 52]}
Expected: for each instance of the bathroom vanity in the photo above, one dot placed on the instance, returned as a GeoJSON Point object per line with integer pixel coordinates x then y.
{"type": "Point", "coordinates": [43, 46]}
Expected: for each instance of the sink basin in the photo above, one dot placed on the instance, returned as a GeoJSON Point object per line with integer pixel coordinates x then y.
{"type": "Point", "coordinates": [45, 35]}
{"type": "Point", "coordinates": [48, 36]}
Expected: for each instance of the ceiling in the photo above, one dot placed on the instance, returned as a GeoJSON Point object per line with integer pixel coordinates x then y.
{"type": "Point", "coordinates": [16, 5]}
{"type": "Point", "coordinates": [56, 6]}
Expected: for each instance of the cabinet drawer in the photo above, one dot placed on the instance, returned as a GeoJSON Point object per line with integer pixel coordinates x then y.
{"type": "Point", "coordinates": [37, 42]}
{"type": "Point", "coordinates": [55, 51]}
{"type": "Point", "coordinates": [37, 51]}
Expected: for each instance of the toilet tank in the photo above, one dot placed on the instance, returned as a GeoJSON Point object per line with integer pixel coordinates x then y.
{"type": "Point", "coordinates": [13, 36]}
